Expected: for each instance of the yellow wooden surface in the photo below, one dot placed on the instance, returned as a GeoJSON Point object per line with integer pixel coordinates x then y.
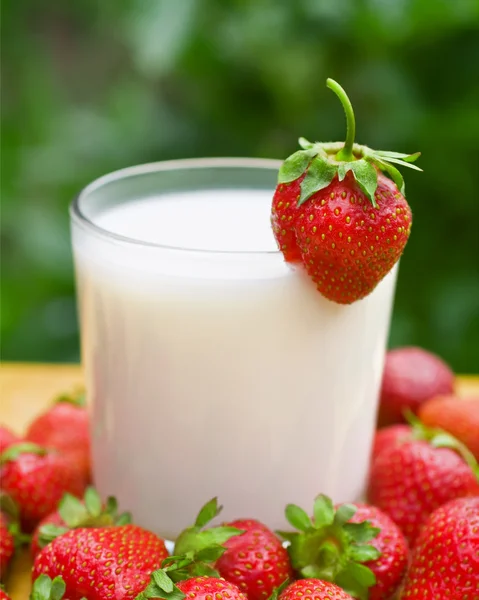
{"type": "Point", "coordinates": [26, 390]}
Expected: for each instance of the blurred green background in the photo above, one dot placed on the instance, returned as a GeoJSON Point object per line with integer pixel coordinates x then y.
{"type": "Point", "coordinates": [95, 85]}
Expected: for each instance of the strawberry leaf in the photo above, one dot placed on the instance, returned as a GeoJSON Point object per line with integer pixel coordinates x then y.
{"type": "Point", "coordinates": [366, 177]}
{"type": "Point", "coordinates": [347, 579]}
{"type": "Point", "coordinates": [202, 570]}
{"type": "Point", "coordinates": [72, 510]}
{"type": "Point", "coordinates": [210, 554]}
{"type": "Point", "coordinates": [155, 590]}
{"type": "Point", "coordinates": [305, 144]}
{"type": "Point", "coordinates": [58, 589]}
{"type": "Point", "coordinates": [76, 398]}
{"type": "Point", "coordinates": [162, 580]}
{"type": "Point", "coordinates": [403, 163]}
{"type": "Point", "coordinates": [344, 513]}
{"type": "Point", "coordinates": [362, 574]}
{"type": "Point", "coordinates": [323, 511]}
{"type": "Point", "coordinates": [209, 511]}
{"type": "Point", "coordinates": [442, 439]}
{"type": "Point", "coordinates": [46, 589]}
{"type": "Point", "coordinates": [124, 519]}
{"type": "Point", "coordinates": [49, 532]}
{"type": "Point", "coordinates": [13, 452]}
{"type": "Point", "coordinates": [287, 535]}
{"type": "Point", "coordinates": [343, 168]}
{"type": "Point", "coordinates": [364, 553]}
{"type": "Point", "coordinates": [8, 506]}
{"type": "Point", "coordinates": [295, 165]}
{"type": "Point", "coordinates": [438, 438]}
{"type": "Point", "coordinates": [93, 502]}
{"type": "Point", "coordinates": [298, 518]}
{"type": "Point", "coordinates": [409, 158]}
{"type": "Point", "coordinates": [279, 590]}
{"type": "Point", "coordinates": [319, 175]}
{"type": "Point", "coordinates": [361, 532]}
{"type": "Point", "coordinates": [391, 171]}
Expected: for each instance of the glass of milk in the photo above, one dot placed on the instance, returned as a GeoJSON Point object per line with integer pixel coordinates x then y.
{"type": "Point", "coordinates": [213, 368]}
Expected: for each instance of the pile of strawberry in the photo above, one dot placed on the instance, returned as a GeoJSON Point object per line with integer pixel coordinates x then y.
{"type": "Point", "coordinates": [416, 537]}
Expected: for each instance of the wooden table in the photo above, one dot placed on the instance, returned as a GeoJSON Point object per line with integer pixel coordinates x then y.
{"type": "Point", "coordinates": [27, 389]}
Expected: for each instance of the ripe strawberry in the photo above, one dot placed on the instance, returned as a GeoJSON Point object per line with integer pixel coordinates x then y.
{"type": "Point", "coordinates": [11, 536]}
{"type": "Point", "coordinates": [102, 563]}
{"type": "Point", "coordinates": [194, 588]}
{"type": "Point", "coordinates": [411, 376]}
{"type": "Point", "coordinates": [335, 210]}
{"type": "Point", "coordinates": [412, 479]}
{"type": "Point", "coordinates": [457, 416]}
{"type": "Point", "coordinates": [7, 438]}
{"type": "Point", "coordinates": [36, 479]}
{"type": "Point", "coordinates": [73, 513]}
{"type": "Point", "coordinates": [65, 427]}
{"type": "Point", "coordinates": [4, 595]}
{"type": "Point", "coordinates": [354, 546]}
{"type": "Point", "coordinates": [313, 589]}
{"type": "Point", "coordinates": [53, 520]}
{"type": "Point", "coordinates": [247, 525]}
{"type": "Point", "coordinates": [7, 545]}
{"type": "Point", "coordinates": [445, 562]}
{"type": "Point", "coordinates": [255, 561]}
{"type": "Point", "coordinates": [390, 567]}
{"type": "Point", "coordinates": [390, 436]}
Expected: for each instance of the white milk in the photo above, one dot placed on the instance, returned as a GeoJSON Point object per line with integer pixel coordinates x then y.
{"type": "Point", "coordinates": [221, 373]}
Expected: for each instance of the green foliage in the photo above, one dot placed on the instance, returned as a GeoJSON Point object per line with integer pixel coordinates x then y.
{"type": "Point", "coordinates": [91, 86]}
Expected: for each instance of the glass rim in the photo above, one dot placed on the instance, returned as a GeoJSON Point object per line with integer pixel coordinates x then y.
{"type": "Point", "coordinates": [78, 216]}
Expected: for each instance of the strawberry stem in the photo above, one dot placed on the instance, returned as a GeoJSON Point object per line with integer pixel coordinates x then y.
{"type": "Point", "coordinates": [346, 153]}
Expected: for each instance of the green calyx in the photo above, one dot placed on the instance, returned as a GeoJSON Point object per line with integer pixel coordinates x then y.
{"type": "Point", "coordinates": [44, 588]}
{"type": "Point", "coordinates": [320, 162]}
{"type": "Point", "coordinates": [196, 551]}
{"type": "Point", "coordinates": [76, 398]}
{"type": "Point", "coordinates": [438, 438]}
{"type": "Point", "coordinates": [196, 538]}
{"type": "Point", "coordinates": [13, 452]}
{"type": "Point", "coordinates": [9, 508]}
{"type": "Point", "coordinates": [330, 548]}
{"type": "Point", "coordinates": [89, 513]}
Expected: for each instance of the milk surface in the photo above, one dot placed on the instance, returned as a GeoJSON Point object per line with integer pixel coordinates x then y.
{"type": "Point", "coordinates": [220, 370]}
{"type": "Point", "coordinates": [216, 220]}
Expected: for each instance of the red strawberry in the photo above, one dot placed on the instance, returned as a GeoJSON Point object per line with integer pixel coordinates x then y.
{"type": "Point", "coordinates": [65, 427]}
{"type": "Point", "coordinates": [206, 588]}
{"type": "Point", "coordinates": [458, 416]}
{"type": "Point", "coordinates": [390, 567]}
{"type": "Point", "coordinates": [355, 546]}
{"type": "Point", "coordinates": [411, 376]}
{"type": "Point", "coordinates": [36, 479]}
{"type": "Point", "coordinates": [4, 595]}
{"type": "Point", "coordinates": [445, 562]}
{"type": "Point", "coordinates": [249, 525]}
{"type": "Point", "coordinates": [255, 561]}
{"type": "Point", "coordinates": [11, 536]}
{"type": "Point", "coordinates": [52, 520]}
{"type": "Point", "coordinates": [412, 479]}
{"type": "Point", "coordinates": [7, 545]}
{"type": "Point", "coordinates": [313, 589]}
{"type": "Point", "coordinates": [73, 513]}
{"type": "Point", "coordinates": [390, 436]}
{"type": "Point", "coordinates": [335, 210]}
{"type": "Point", "coordinates": [194, 588]}
{"type": "Point", "coordinates": [7, 438]}
{"type": "Point", "coordinates": [102, 563]}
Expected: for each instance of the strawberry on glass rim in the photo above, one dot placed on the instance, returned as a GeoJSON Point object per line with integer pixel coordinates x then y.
{"type": "Point", "coordinates": [339, 209]}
